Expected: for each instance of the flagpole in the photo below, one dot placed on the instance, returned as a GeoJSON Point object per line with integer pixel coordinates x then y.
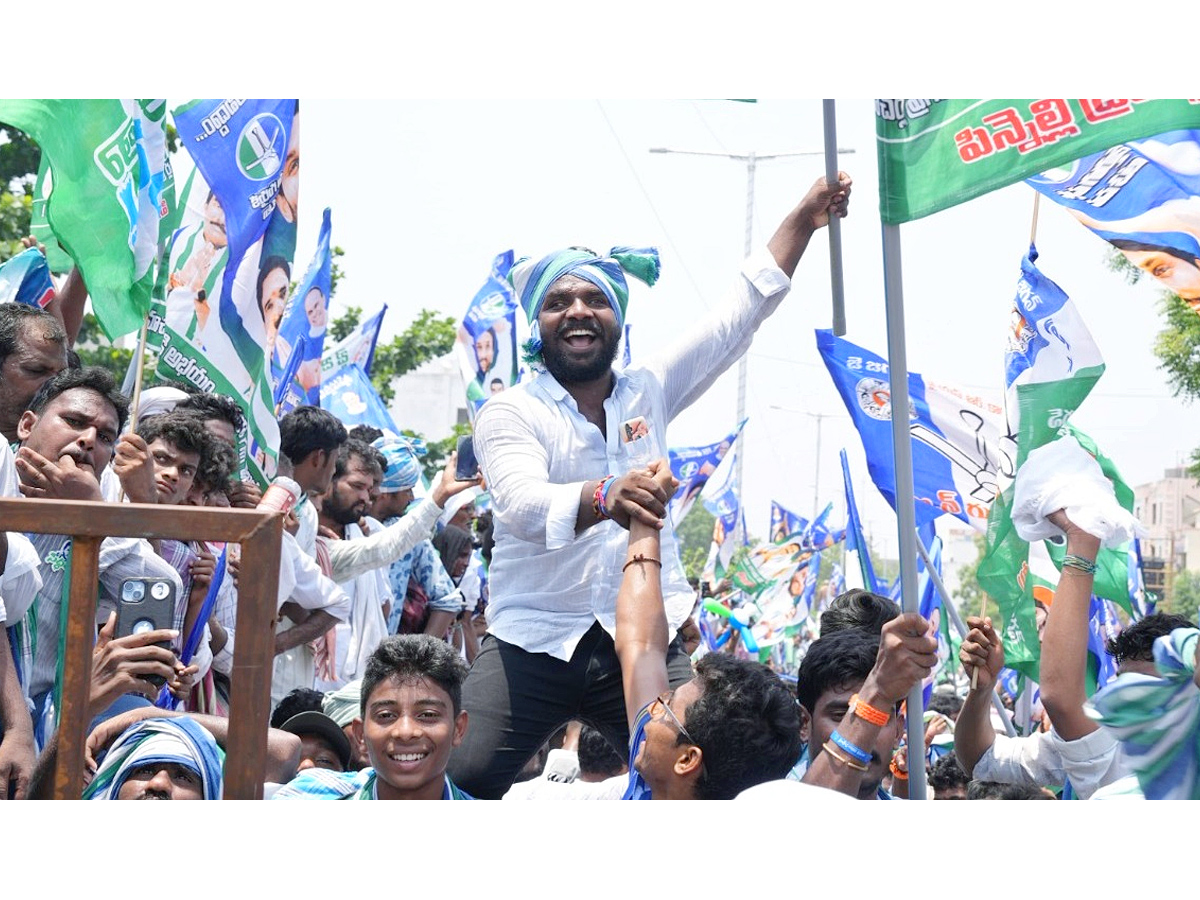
{"type": "Point", "coordinates": [893, 291]}
{"type": "Point", "coordinates": [1037, 199]}
{"type": "Point", "coordinates": [835, 224]}
{"type": "Point", "coordinates": [139, 358]}
{"type": "Point", "coordinates": [961, 627]}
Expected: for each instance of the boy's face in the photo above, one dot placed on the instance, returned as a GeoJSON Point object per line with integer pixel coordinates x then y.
{"type": "Point", "coordinates": [831, 708]}
{"type": "Point", "coordinates": [409, 730]}
{"type": "Point", "coordinates": [174, 470]}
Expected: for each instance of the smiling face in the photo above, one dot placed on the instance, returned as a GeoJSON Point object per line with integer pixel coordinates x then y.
{"type": "Point", "coordinates": [485, 351]}
{"type": "Point", "coordinates": [78, 423]}
{"type": "Point", "coordinates": [273, 300]}
{"type": "Point", "coordinates": [214, 223]}
{"type": "Point", "coordinates": [580, 331]}
{"type": "Point", "coordinates": [661, 752]}
{"type": "Point", "coordinates": [174, 471]}
{"type": "Point", "coordinates": [314, 308]}
{"type": "Point", "coordinates": [409, 731]}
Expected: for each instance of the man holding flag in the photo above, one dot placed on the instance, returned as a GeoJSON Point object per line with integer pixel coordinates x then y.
{"type": "Point", "coordinates": [551, 448]}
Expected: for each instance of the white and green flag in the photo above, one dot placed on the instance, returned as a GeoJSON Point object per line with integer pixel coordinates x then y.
{"type": "Point", "coordinates": [1052, 363]}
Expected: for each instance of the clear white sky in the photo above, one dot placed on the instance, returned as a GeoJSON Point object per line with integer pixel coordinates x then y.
{"type": "Point", "coordinates": [455, 182]}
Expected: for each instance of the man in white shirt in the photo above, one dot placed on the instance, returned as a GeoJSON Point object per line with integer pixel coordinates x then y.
{"type": "Point", "coordinates": [550, 450]}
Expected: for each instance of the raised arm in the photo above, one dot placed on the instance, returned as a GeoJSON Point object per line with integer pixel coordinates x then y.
{"type": "Point", "coordinates": [642, 633]}
{"type": "Point", "coordinates": [907, 653]}
{"type": "Point", "coordinates": [1063, 666]}
{"type": "Point", "coordinates": [791, 238]}
{"type": "Point", "coordinates": [982, 657]}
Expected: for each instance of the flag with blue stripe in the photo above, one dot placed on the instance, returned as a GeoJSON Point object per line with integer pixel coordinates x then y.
{"type": "Point", "coordinates": [859, 571]}
{"type": "Point", "coordinates": [693, 466]}
{"type": "Point", "coordinates": [487, 337]}
{"type": "Point", "coordinates": [358, 347]}
{"type": "Point", "coordinates": [961, 451]}
{"type": "Point", "coordinates": [301, 337]}
{"type": "Point", "coordinates": [349, 395]}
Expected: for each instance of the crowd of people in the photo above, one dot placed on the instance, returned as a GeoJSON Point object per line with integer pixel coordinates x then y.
{"type": "Point", "coordinates": [425, 649]}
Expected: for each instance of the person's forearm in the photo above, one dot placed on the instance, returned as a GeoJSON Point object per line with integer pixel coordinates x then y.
{"type": "Point", "coordinates": [71, 301]}
{"type": "Point", "coordinates": [791, 239]}
{"type": "Point", "coordinates": [439, 622]}
{"type": "Point", "coordinates": [313, 627]}
{"type": "Point", "coordinates": [973, 731]}
{"type": "Point", "coordinates": [1063, 666]}
{"type": "Point", "coordinates": [220, 637]}
{"type": "Point", "coordinates": [825, 770]}
{"type": "Point", "coordinates": [641, 619]}
{"type": "Point", "coordinates": [349, 559]}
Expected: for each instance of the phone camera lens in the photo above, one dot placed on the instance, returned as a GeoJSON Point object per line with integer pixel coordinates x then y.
{"type": "Point", "coordinates": [133, 591]}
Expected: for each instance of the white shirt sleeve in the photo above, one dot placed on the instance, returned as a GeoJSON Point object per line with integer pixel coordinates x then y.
{"type": "Point", "coordinates": [349, 559]}
{"type": "Point", "coordinates": [310, 589]}
{"type": "Point", "coordinates": [513, 456]}
{"type": "Point", "coordinates": [1045, 759]}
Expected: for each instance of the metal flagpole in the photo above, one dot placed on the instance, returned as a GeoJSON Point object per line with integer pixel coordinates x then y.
{"type": "Point", "coordinates": [835, 224]}
{"type": "Point", "coordinates": [893, 290]}
{"type": "Point", "coordinates": [961, 627]}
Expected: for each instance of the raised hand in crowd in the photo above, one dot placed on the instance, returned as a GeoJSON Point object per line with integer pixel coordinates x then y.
{"type": "Point", "coordinates": [120, 665]}
{"type": "Point", "coordinates": [981, 653]}
{"type": "Point", "coordinates": [244, 495]}
{"type": "Point", "coordinates": [134, 467]}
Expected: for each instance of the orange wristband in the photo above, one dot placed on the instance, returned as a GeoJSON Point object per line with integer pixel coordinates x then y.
{"type": "Point", "coordinates": [897, 772]}
{"type": "Point", "coordinates": [868, 713]}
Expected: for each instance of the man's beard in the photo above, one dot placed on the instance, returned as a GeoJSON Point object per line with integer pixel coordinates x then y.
{"type": "Point", "coordinates": [343, 515]}
{"type": "Point", "coordinates": [567, 371]}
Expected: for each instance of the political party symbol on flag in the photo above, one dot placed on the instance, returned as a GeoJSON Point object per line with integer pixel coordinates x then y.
{"type": "Point", "coordinates": [301, 336]}
{"type": "Point", "coordinates": [1143, 197]}
{"type": "Point", "coordinates": [693, 466]}
{"type": "Point", "coordinates": [961, 451]}
{"type": "Point", "coordinates": [104, 178]}
{"type": "Point", "coordinates": [349, 395]}
{"type": "Point", "coordinates": [1051, 364]}
{"type": "Point", "coordinates": [859, 571]}
{"type": "Point", "coordinates": [486, 346]}
{"type": "Point", "coordinates": [934, 154]}
{"type": "Point", "coordinates": [814, 535]}
{"type": "Point", "coordinates": [358, 347]}
{"type": "Point", "coordinates": [229, 262]}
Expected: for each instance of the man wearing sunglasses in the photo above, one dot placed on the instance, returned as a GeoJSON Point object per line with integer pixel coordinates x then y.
{"type": "Point", "coordinates": [734, 725]}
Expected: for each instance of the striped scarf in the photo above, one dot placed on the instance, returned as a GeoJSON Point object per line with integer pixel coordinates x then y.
{"type": "Point", "coordinates": [326, 784]}
{"type": "Point", "coordinates": [167, 740]}
{"type": "Point", "coordinates": [531, 280]}
{"type": "Point", "coordinates": [1157, 719]}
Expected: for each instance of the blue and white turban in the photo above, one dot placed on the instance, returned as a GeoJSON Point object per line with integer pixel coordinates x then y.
{"type": "Point", "coordinates": [403, 469]}
{"type": "Point", "coordinates": [531, 280]}
{"type": "Point", "coordinates": [167, 740]}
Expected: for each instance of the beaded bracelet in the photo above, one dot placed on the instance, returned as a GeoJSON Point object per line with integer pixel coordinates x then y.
{"type": "Point", "coordinates": [844, 760]}
{"type": "Point", "coordinates": [868, 713]}
{"type": "Point", "coordinates": [639, 558]}
{"type": "Point", "coordinates": [853, 749]}
{"type": "Point", "coordinates": [598, 505]}
{"type": "Point", "coordinates": [1082, 563]}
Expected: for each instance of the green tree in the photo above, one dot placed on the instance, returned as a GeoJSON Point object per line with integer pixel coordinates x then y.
{"type": "Point", "coordinates": [694, 535]}
{"type": "Point", "coordinates": [19, 159]}
{"type": "Point", "coordinates": [427, 337]}
{"type": "Point", "coordinates": [1184, 599]}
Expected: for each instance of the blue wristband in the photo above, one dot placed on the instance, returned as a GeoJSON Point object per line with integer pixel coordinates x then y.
{"type": "Point", "coordinates": [857, 752]}
{"type": "Point", "coordinates": [608, 482]}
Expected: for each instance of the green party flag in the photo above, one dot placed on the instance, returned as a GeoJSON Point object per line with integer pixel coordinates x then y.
{"type": "Point", "coordinates": [102, 189]}
{"type": "Point", "coordinates": [1051, 365]}
{"type": "Point", "coordinates": [934, 154]}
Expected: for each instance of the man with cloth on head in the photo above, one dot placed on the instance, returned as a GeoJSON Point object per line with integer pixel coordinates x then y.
{"type": "Point", "coordinates": [552, 453]}
{"type": "Point", "coordinates": [160, 759]}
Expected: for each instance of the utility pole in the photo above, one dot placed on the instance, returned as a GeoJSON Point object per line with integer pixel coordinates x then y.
{"type": "Point", "coordinates": [751, 159]}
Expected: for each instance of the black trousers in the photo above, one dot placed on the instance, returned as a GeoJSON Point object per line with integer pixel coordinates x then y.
{"type": "Point", "coordinates": [515, 700]}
